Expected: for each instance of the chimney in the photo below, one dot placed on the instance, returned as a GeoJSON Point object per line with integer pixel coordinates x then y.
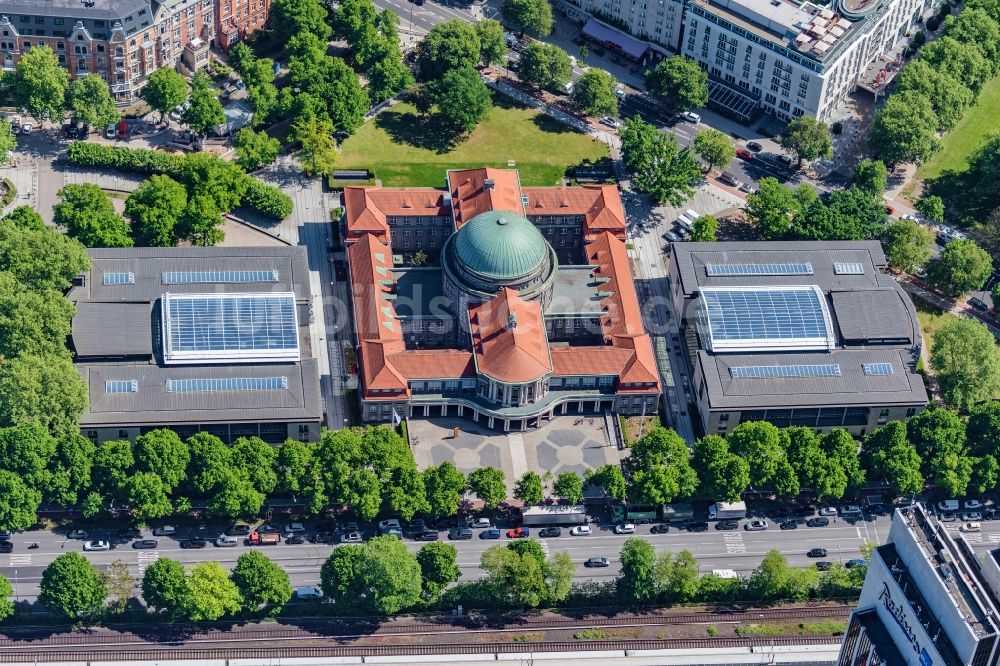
{"type": "Point", "coordinates": [489, 184]}
{"type": "Point", "coordinates": [512, 321]}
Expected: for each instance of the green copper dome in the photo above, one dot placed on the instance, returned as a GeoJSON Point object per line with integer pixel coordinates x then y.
{"type": "Point", "coordinates": [500, 244]}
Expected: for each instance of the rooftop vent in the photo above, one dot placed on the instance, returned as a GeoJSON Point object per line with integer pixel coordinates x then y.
{"type": "Point", "coordinates": [489, 184]}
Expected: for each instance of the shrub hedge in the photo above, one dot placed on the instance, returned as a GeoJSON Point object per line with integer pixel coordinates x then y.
{"type": "Point", "coordinates": [8, 196]}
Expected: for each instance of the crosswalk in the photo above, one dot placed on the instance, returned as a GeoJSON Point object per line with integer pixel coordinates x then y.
{"type": "Point", "coordinates": [147, 557]}
{"type": "Point", "coordinates": [734, 543]}
{"type": "Point", "coordinates": [20, 560]}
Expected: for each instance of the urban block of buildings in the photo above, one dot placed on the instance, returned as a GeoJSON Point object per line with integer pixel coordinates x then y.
{"type": "Point", "coordinates": [124, 41]}
{"type": "Point", "coordinates": [197, 340]}
{"type": "Point", "coordinates": [783, 57]}
{"type": "Point", "coordinates": [799, 333]}
{"type": "Point", "coordinates": [524, 308]}
{"type": "Point", "coordinates": [928, 599]}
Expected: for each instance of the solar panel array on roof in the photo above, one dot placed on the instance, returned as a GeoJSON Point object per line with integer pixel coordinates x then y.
{"type": "Point", "coordinates": [227, 384]}
{"type": "Point", "coordinates": [119, 278]}
{"type": "Point", "coordinates": [240, 328]}
{"type": "Point", "coordinates": [763, 318]}
{"type": "Point", "coordinates": [841, 268]}
{"type": "Point", "coordinates": [768, 371]}
{"type": "Point", "coordinates": [723, 270]}
{"type": "Point", "coordinates": [877, 368]}
{"type": "Point", "coordinates": [121, 386]}
{"type": "Point", "coordinates": [209, 277]}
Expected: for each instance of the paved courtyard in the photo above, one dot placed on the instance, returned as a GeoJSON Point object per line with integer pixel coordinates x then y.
{"type": "Point", "coordinates": [566, 444]}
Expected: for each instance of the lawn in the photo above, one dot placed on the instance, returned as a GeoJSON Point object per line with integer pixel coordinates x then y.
{"type": "Point", "coordinates": [959, 143]}
{"type": "Point", "coordinates": [931, 319]}
{"type": "Point", "coordinates": [405, 150]}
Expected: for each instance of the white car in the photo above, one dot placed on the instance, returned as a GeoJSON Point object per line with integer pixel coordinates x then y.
{"type": "Point", "coordinates": [756, 526]}
{"type": "Point", "coordinates": [225, 541]}
{"type": "Point", "coordinates": [581, 530]}
{"type": "Point", "coordinates": [351, 537]}
{"type": "Point", "coordinates": [26, 128]}
{"type": "Point", "coordinates": [613, 123]}
{"type": "Point", "coordinates": [828, 511]}
{"type": "Point", "coordinates": [111, 131]}
{"type": "Point", "coordinates": [293, 528]}
{"type": "Point", "coordinates": [972, 504]}
{"type": "Point", "coordinates": [627, 528]}
{"type": "Point", "coordinates": [971, 527]}
{"type": "Point", "coordinates": [480, 523]}
{"type": "Point", "coordinates": [691, 117]}
{"type": "Point", "coordinates": [972, 516]}
{"type": "Point", "coordinates": [96, 545]}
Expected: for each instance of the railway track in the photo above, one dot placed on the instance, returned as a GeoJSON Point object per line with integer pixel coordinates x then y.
{"type": "Point", "coordinates": [146, 637]}
{"type": "Point", "coordinates": [286, 651]}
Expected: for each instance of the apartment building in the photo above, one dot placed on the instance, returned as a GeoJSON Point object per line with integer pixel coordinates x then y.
{"type": "Point", "coordinates": [122, 41]}
{"type": "Point", "coordinates": [235, 20]}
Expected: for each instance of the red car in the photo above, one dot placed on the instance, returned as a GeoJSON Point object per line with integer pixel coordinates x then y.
{"type": "Point", "coordinates": [517, 533]}
{"type": "Point", "coordinates": [123, 130]}
{"type": "Point", "coordinates": [889, 209]}
{"type": "Point", "coordinates": [744, 154]}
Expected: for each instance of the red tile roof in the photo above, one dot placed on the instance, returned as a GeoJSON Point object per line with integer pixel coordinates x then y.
{"type": "Point", "coordinates": [378, 372]}
{"type": "Point", "coordinates": [368, 208]}
{"type": "Point", "coordinates": [434, 364]}
{"type": "Point", "coordinates": [508, 336]}
{"type": "Point", "coordinates": [371, 279]}
{"type": "Point", "coordinates": [589, 360]}
{"type": "Point", "coordinates": [475, 191]}
{"type": "Point", "coordinates": [600, 205]}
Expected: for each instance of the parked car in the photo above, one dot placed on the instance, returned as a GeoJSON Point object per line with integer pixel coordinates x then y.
{"type": "Point", "coordinates": [785, 159]}
{"type": "Point", "coordinates": [226, 541]}
{"type": "Point", "coordinates": [971, 515]}
{"type": "Point", "coordinates": [581, 530]}
{"type": "Point", "coordinates": [549, 532]}
{"type": "Point", "coordinates": [6, 535]}
{"type": "Point", "coordinates": [459, 533]}
{"type": "Point", "coordinates": [295, 540]}
{"type": "Point", "coordinates": [978, 304]}
{"type": "Point", "coordinates": [691, 117]}
{"type": "Point", "coordinates": [851, 510]}
{"type": "Point", "coordinates": [597, 562]}
{"type": "Point", "coordinates": [293, 528]}
{"type": "Point", "coordinates": [166, 530]}
{"type": "Point", "coordinates": [972, 504]}
{"type": "Point", "coordinates": [427, 535]}
{"type": "Point", "coordinates": [948, 517]}
{"type": "Point", "coordinates": [659, 529]}
{"type": "Point", "coordinates": [418, 525]}
{"type": "Point", "coordinates": [110, 131]}
{"type": "Point", "coordinates": [26, 128]}
{"type": "Point", "coordinates": [754, 146]}
{"type": "Point", "coordinates": [756, 526]}
{"type": "Point", "coordinates": [823, 566]}
{"type": "Point", "coordinates": [727, 525]}
{"type": "Point", "coordinates": [518, 533]}
{"type": "Point", "coordinates": [817, 552]}
{"type": "Point", "coordinates": [351, 537]}
{"type": "Point", "coordinates": [6, 546]}
{"type": "Point", "coordinates": [672, 237]}
{"type": "Point", "coordinates": [818, 522]}
{"type": "Point", "coordinates": [626, 528]}
{"type": "Point", "coordinates": [96, 545]}
{"type": "Point", "coordinates": [303, 593]}
{"type": "Point", "coordinates": [82, 534]}
{"type": "Point", "coordinates": [145, 544]}
{"type": "Point", "coordinates": [480, 523]}
{"type": "Point", "coordinates": [239, 529]}
{"type": "Point", "coordinates": [788, 525]}
{"type": "Point", "coordinates": [828, 511]}
{"type": "Point", "coordinates": [492, 533]}
{"type": "Point", "coordinates": [195, 542]}
{"type": "Point", "coordinates": [971, 527]}
{"type": "Point", "coordinates": [744, 154]}
{"type": "Point", "coordinates": [613, 123]}
{"type": "Point", "coordinates": [856, 562]}
{"type": "Point", "coordinates": [697, 526]}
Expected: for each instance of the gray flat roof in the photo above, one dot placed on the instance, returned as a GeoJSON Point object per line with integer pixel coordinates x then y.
{"type": "Point", "coordinates": [874, 315]}
{"type": "Point", "coordinates": [101, 9]}
{"type": "Point", "coordinates": [113, 329]}
{"type": "Point", "coordinates": [574, 291]}
{"type": "Point", "coordinates": [152, 404]}
{"type": "Point", "coordinates": [851, 387]}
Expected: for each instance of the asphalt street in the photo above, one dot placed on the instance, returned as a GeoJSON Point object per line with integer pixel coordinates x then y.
{"type": "Point", "coordinates": [422, 17]}
{"type": "Point", "coordinates": [738, 550]}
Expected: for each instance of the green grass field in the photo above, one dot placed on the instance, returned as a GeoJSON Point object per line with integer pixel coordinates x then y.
{"type": "Point", "coordinates": [404, 150]}
{"type": "Point", "coordinates": [930, 319]}
{"type": "Point", "coordinates": [959, 143]}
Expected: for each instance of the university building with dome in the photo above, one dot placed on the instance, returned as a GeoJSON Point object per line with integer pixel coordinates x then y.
{"type": "Point", "coordinates": [522, 306]}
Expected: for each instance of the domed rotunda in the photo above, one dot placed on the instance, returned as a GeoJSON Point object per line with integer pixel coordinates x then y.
{"type": "Point", "coordinates": [497, 249]}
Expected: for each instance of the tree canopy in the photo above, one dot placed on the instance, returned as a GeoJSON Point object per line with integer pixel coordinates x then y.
{"type": "Point", "coordinates": [461, 98]}
{"type": "Point", "coordinates": [807, 138]}
{"type": "Point", "coordinates": [533, 16]}
{"type": "Point", "coordinates": [545, 66]}
{"type": "Point", "coordinates": [716, 148]}
{"type": "Point", "coordinates": [679, 83]}
{"type": "Point", "coordinates": [966, 362]}
{"type": "Point", "coordinates": [165, 90]}
{"type": "Point", "coordinates": [658, 167]}
{"type": "Point", "coordinates": [72, 587]}
{"type": "Point", "coordinates": [907, 245]}
{"type": "Point", "coordinates": [904, 129]}
{"type": "Point", "coordinates": [40, 83]}
{"type": "Point", "coordinates": [594, 93]}
{"type": "Point", "coordinates": [91, 102]}
{"type": "Point", "coordinates": [89, 216]}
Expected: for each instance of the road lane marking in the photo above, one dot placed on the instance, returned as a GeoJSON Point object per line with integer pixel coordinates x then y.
{"type": "Point", "coordinates": [734, 543]}
{"type": "Point", "coordinates": [20, 560]}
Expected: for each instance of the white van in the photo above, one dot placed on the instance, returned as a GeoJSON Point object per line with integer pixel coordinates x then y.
{"type": "Point", "coordinates": [692, 214]}
{"type": "Point", "coordinates": [166, 530]}
{"type": "Point", "coordinates": [685, 222]}
{"type": "Point", "coordinates": [948, 505]}
{"type": "Point", "coordinates": [225, 541]}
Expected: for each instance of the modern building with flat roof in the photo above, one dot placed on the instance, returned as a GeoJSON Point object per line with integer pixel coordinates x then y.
{"type": "Point", "coordinates": [796, 333]}
{"type": "Point", "coordinates": [928, 600]}
{"type": "Point", "coordinates": [522, 307]}
{"type": "Point", "coordinates": [197, 339]}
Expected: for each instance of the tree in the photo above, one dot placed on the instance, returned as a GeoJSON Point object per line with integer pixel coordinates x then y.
{"type": "Point", "coordinates": [119, 584]}
{"type": "Point", "coordinates": [164, 587]}
{"type": "Point", "coordinates": [966, 363]}
{"type": "Point", "coordinates": [462, 99]}
{"type": "Point", "coordinates": [211, 594]}
{"type": "Point", "coordinates": [449, 46]}
{"type": "Point", "coordinates": [8, 144]}
{"type": "Point", "coordinates": [205, 174]}
{"type": "Point", "coordinates": [23, 217]}
{"type": "Point", "coordinates": [72, 587]}
{"type": "Point", "coordinates": [815, 469]}
{"type": "Point", "coordinates": [962, 267]}
{"type": "Point", "coordinates": [545, 66]}
{"type": "Point", "coordinates": [40, 83]}
{"type": "Point", "coordinates": [166, 89]}
{"type": "Point", "coordinates": [262, 584]}
{"type": "Point", "coordinates": [391, 575]}
{"type": "Point", "coordinates": [91, 102]}
{"type": "Point", "coordinates": [319, 150]}
{"type": "Point", "coordinates": [948, 97]}
{"type": "Point", "coordinates": [155, 207]}
{"type": "Point", "coordinates": [907, 245]}
{"type": "Point", "coordinates": [904, 129]}
{"type": "Point", "coordinates": [163, 453]}
{"type": "Point", "coordinates": [346, 101]}
{"type": "Point", "coordinates": [18, 502]}
{"type": "Point", "coordinates": [759, 443]}
{"type": "Point", "coordinates": [715, 148]}
{"type": "Point", "coordinates": [871, 177]}
{"type": "Point", "coordinates": [492, 44]}
{"type": "Point", "coordinates": [679, 83]}
{"type": "Point", "coordinates": [704, 229]}
{"type": "Point", "coordinates": [438, 567]}
{"type": "Point", "coordinates": [637, 579]}
{"type": "Point", "coordinates": [533, 16]}
{"type": "Point", "coordinates": [569, 486]}
{"type": "Point", "coordinates": [964, 62]}
{"type": "Point", "coordinates": [890, 457]}
{"type": "Point", "coordinates": [931, 207]}
{"type": "Point", "coordinates": [71, 468]}
{"type": "Point", "coordinates": [353, 21]}
{"type": "Point", "coordinates": [387, 74]}
{"type": "Point", "coordinates": [660, 468]}
{"type": "Point", "coordinates": [341, 574]}
{"type": "Point", "coordinates": [89, 216]}
{"type": "Point", "coordinates": [235, 495]}
{"type": "Point", "coordinates": [204, 112]}
{"type": "Point", "coordinates": [722, 475]}
{"type": "Point", "coordinates": [610, 479]}
{"type": "Point", "coordinates": [255, 458]}
{"type": "Point", "coordinates": [529, 488]}
{"type": "Point", "coordinates": [444, 486]}
{"type": "Point", "coordinates": [976, 26]}
{"type": "Point", "coordinates": [255, 149]}
{"type": "Point", "coordinates": [841, 448]}
{"type": "Point", "coordinates": [113, 462]}
{"type": "Point", "coordinates": [771, 208]}
{"type": "Point", "coordinates": [849, 214]}
{"type": "Point", "coordinates": [770, 580]}
{"type": "Point", "coordinates": [676, 575]}
{"type": "Point", "coordinates": [520, 575]}
{"type": "Point", "coordinates": [6, 605]}
{"type": "Point", "coordinates": [210, 462]}
{"type": "Point", "coordinates": [147, 495]}
{"type": "Point", "coordinates": [594, 93]}
{"type": "Point", "coordinates": [46, 389]}
{"type": "Point", "coordinates": [488, 485]}
{"type": "Point", "coordinates": [291, 17]}
{"type": "Point", "coordinates": [201, 222]}
{"type": "Point", "coordinates": [41, 258]}
{"type": "Point", "coordinates": [808, 138]}
{"type": "Point", "coordinates": [657, 165]}
{"type": "Point", "coordinates": [32, 322]}
{"type": "Point", "coordinates": [92, 505]}
{"type": "Point", "coordinates": [406, 492]}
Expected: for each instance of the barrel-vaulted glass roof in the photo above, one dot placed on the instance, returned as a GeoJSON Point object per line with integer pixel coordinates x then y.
{"type": "Point", "coordinates": [789, 318]}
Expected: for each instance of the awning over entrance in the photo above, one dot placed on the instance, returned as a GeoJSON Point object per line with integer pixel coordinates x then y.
{"type": "Point", "coordinates": [615, 40]}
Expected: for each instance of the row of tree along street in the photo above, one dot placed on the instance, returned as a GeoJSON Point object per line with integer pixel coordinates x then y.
{"type": "Point", "coordinates": [382, 576]}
